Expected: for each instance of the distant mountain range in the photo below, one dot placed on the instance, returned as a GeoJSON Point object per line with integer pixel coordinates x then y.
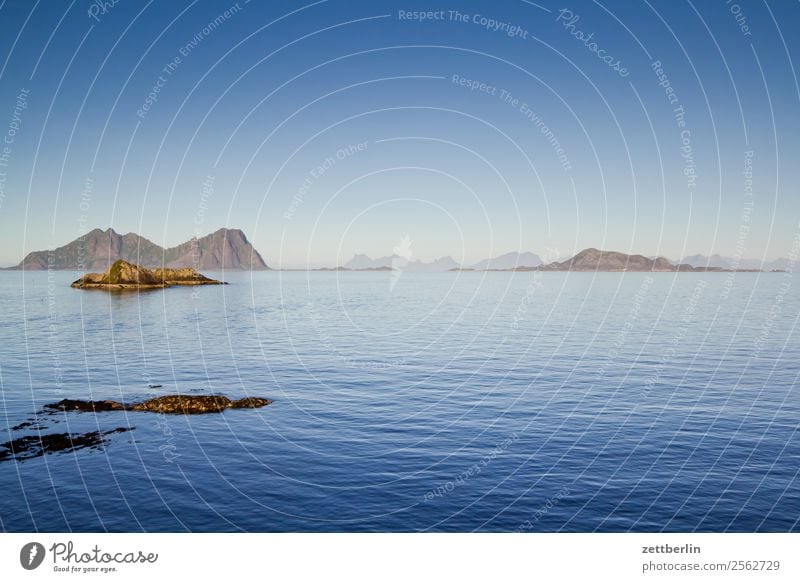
{"type": "Point", "coordinates": [225, 249]}
{"type": "Point", "coordinates": [397, 263]}
{"type": "Point", "coordinates": [587, 260]}
{"type": "Point", "coordinates": [504, 262]}
{"type": "Point", "coordinates": [509, 261]}
{"type": "Point", "coordinates": [731, 263]}
{"type": "Point", "coordinates": [229, 249]}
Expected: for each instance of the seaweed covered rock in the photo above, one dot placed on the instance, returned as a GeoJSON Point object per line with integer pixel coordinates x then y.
{"type": "Point", "coordinates": [174, 404]}
{"type": "Point", "coordinates": [197, 404]}
{"type": "Point", "coordinates": [29, 447]}
{"type": "Point", "coordinates": [85, 405]}
{"type": "Point", "coordinates": [40, 443]}
{"type": "Point", "coordinates": [250, 402]}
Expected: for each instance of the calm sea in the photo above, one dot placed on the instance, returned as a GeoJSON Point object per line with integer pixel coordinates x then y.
{"type": "Point", "coordinates": [419, 402]}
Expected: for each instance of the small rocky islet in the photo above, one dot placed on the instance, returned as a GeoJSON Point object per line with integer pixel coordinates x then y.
{"type": "Point", "coordinates": [122, 275]}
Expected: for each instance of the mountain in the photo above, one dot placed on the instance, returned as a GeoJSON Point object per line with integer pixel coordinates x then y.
{"type": "Point", "coordinates": [441, 264]}
{"type": "Point", "coordinates": [597, 260]}
{"type": "Point", "coordinates": [704, 261]}
{"type": "Point", "coordinates": [223, 249]}
{"type": "Point", "coordinates": [509, 261]}
{"type": "Point", "coordinates": [363, 262]}
{"type": "Point", "coordinates": [733, 263]}
{"type": "Point", "coordinates": [398, 263]}
{"type": "Point", "coordinates": [359, 262]}
{"type": "Point", "coordinates": [98, 249]}
{"type": "Point", "coordinates": [780, 264]}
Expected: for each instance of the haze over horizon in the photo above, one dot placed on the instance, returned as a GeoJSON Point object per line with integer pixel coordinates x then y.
{"type": "Point", "coordinates": [481, 130]}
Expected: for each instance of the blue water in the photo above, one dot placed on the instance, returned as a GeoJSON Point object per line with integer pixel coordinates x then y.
{"type": "Point", "coordinates": [437, 402]}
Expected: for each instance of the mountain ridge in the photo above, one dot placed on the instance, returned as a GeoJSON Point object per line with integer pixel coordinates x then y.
{"type": "Point", "coordinates": [508, 261]}
{"type": "Point", "coordinates": [361, 262]}
{"type": "Point", "coordinates": [98, 249]}
{"type": "Point", "coordinates": [717, 260]}
{"type": "Point", "coordinates": [590, 259]}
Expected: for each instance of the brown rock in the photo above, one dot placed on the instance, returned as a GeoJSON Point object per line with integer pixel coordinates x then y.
{"type": "Point", "coordinates": [184, 404]}
{"type": "Point", "coordinates": [181, 404]}
{"type": "Point", "coordinates": [250, 402]}
{"type": "Point", "coordinates": [123, 275]}
{"type": "Point", "coordinates": [85, 405]}
{"type": "Point", "coordinates": [174, 404]}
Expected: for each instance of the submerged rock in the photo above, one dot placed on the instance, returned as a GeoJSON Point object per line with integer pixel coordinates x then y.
{"type": "Point", "coordinates": [36, 445]}
{"type": "Point", "coordinates": [177, 404]}
{"type": "Point", "coordinates": [124, 275]}
{"type": "Point", "coordinates": [30, 447]}
{"type": "Point", "coordinates": [85, 405]}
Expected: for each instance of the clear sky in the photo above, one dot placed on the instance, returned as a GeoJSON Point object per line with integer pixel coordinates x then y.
{"type": "Point", "coordinates": [330, 128]}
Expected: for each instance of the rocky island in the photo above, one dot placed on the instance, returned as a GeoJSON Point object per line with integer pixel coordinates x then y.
{"type": "Point", "coordinates": [123, 275]}
{"type": "Point", "coordinates": [609, 261]}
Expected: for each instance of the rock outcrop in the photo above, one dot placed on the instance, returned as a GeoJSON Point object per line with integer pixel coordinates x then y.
{"type": "Point", "coordinates": [32, 446]}
{"type": "Point", "coordinates": [175, 404]}
{"type": "Point", "coordinates": [197, 404]}
{"type": "Point", "coordinates": [40, 443]}
{"type": "Point", "coordinates": [123, 275]}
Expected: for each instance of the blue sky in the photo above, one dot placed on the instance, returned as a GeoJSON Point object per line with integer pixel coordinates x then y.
{"type": "Point", "coordinates": [329, 128]}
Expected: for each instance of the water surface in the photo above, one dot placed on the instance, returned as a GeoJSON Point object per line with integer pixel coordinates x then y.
{"type": "Point", "coordinates": [425, 402]}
